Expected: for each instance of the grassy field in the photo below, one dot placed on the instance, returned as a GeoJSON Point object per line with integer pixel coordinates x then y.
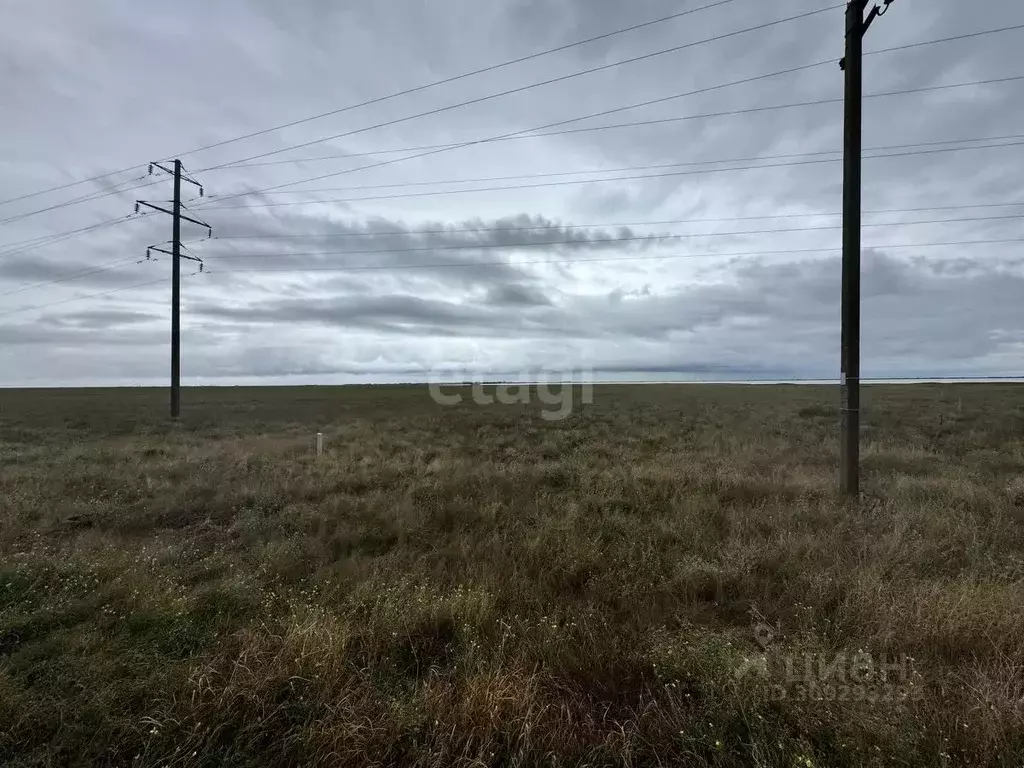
{"type": "Point", "coordinates": [666, 577]}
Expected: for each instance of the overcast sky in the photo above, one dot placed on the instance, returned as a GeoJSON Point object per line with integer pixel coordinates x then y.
{"type": "Point", "coordinates": [668, 276]}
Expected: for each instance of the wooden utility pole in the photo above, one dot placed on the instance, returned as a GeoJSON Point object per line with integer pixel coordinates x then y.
{"type": "Point", "coordinates": [849, 442]}
{"type": "Point", "coordinates": [176, 295]}
{"type": "Point", "coordinates": [176, 257]}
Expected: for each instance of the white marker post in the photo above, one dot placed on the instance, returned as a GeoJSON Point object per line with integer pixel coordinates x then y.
{"type": "Point", "coordinates": [319, 443]}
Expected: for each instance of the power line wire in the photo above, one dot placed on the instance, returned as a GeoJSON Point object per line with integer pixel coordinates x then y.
{"type": "Point", "coordinates": [109, 266]}
{"type": "Point", "coordinates": [657, 257]}
{"type": "Point", "coordinates": [541, 83]}
{"type": "Point", "coordinates": [597, 242]}
{"type": "Point", "coordinates": [631, 124]}
{"type": "Point", "coordinates": [108, 193]}
{"type": "Point", "coordinates": [38, 242]}
{"type": "Point", "coordinates": [403, 267]}
{"type": "Point", "coordinates": [447, 147]}
{"type": "Point", "coordinates": [99, 269]}
{"type": "Point", "coordinates": [455, 230]}
{"type": "Point", "coordinates": [121, 219]}
{"type": "Point", "coordinates": [395, 94]}
{"type": "Point", "coordinates": [75, 201]}
{"type": "Point", "coordinates": [39, 238]}
{"type": "Point", "coordinates": [469, 102]}
{"type": "Point", "coordinates": [88, 198]}
{"type": "Point", "coordinates": [25, 246]}
{"type": "Point", "coordinates": [90, 296]}
{"type": "Point", "coordinates": [83, 199]}
{"type": "Point", "coordinates": [708, 89]}
{"type": "Point", "coordinates": [92, 197]}
{"type": "Point", "coordinates": [472, 73]}
{"type": "Point", "coordinates": [538, 185]}
{"type": "Point", "coordinates": [242, 163]}
{"type": "Point", "coordinates": [71, 184]}
{"type": "Point", "coordinates": [46, 240]}
{"type": "Point", "coordinates": [747, 159]}
{"type": "Point", "coordinates": [81, 298]}
{"type": "Point", "coordinates": [60, 237]}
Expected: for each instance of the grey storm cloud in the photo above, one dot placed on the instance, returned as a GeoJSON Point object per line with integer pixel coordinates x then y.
{"type": "Point", "coordinates": [516, 295]}
{"type": "Point", "coordinates": [391, 238]}
{"type": "Point", "coordinates": [398, 280]}
{"type": "Point", "coordinates": [908, 308]}
{"type": "Point", "coordinates": [468, 253]}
